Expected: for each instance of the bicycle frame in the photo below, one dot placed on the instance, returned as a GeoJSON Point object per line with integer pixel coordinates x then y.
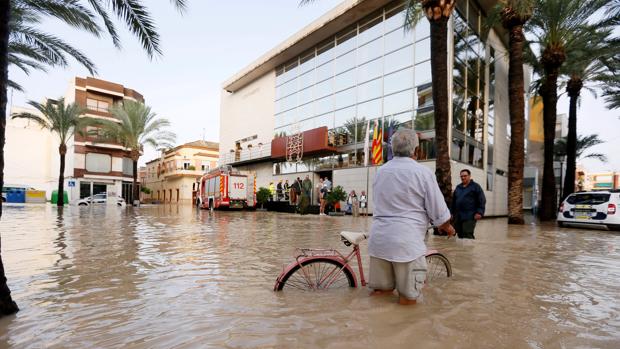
{"type": "Point", "coordinates": [308, 254]}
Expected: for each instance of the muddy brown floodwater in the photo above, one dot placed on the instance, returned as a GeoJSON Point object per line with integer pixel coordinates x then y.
{"type": "Point", "coordinates": [175, 277]}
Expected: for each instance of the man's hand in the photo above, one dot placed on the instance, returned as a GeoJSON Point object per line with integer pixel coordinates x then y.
{"type": "Point", "coordinates": [477, 216]}
{"type": "Point", "coordinates": [447, 228]}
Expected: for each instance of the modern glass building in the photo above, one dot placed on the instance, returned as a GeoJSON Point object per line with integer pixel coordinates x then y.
{"type": "Point", "coordinates": [358, 66]}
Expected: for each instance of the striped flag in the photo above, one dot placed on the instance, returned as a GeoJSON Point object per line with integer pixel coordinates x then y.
{"type": "Point", "coordinates": [377, 145]}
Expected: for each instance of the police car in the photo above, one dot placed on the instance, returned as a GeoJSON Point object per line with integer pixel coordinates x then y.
{"type": "Point", "coordinates": [591, 209]}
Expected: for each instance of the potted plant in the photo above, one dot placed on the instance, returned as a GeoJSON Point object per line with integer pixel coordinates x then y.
{"type": "Point", "coordinates": [262, 196]}
{"type": "Point", "coordinates": [334, 197]}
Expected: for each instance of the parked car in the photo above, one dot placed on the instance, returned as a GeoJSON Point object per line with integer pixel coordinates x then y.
{"type": "Point", "coordinates": [101, 198]}
{"type": "Point", "coordinates": [592, 208]}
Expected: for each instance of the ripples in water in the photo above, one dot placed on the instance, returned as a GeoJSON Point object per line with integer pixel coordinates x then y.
{"type": "Point", "coordinates": [171, 276]}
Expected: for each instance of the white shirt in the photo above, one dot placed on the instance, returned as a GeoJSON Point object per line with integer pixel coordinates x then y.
{"type": "Point", "coordinates": [406, 197]}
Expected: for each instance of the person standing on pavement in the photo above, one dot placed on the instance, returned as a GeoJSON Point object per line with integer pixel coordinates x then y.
{"type": "Point", "coordinates": [468, 203]}
{"type": "Point", "coordinates": [405, 197]}
{"type": "Point", "coordinates": [287, 190]}
{"type": "Point", "coordinates": [364, 203]}
{"type": "Point", "coordinates": [306, 191]}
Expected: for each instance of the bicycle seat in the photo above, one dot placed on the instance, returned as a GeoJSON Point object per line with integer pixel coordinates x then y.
{"type": "Point", "coordinates": [353, 237]}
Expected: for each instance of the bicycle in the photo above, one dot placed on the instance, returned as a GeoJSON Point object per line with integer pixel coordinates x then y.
{"type": "Point", "coordinates": [318, 269]}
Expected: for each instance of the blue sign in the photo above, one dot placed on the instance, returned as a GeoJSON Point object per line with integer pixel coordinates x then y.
{"type": "Point", "coordinates": [71, 184]}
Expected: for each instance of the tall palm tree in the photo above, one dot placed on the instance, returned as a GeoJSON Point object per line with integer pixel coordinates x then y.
{"type": "Point", "coordinates": [590, 67]}
{"type": "Point", "coordinates": [133, 13]}
{"type": "Point", "coordinates": [137, 125]}
{"type": "Point", "coordinates": [513, 15]}
{"type": "Point", "coordinates": [555, 26]}
{"type": "Point", "coordinates": [438, 13]}
{"type": "Point", "coordinates": [60, 119]}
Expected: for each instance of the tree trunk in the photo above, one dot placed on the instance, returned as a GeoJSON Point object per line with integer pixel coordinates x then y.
{"type": "Point", "coordinates": [7, 305]}
{"type": "Point", "coordinates": [573, 89]}
{"type": "Point", "coordinates": [548, 206]}
{"type": "Point", "coordinates": [517, 126]}
{"type": "Point", "coordinates": [439, 73]}
{"type": "Point", "coordinates": [135, 192]}
{"type": "Point", "coordinates": [62, 150]}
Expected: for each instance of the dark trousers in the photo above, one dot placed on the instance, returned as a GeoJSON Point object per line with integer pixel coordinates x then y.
{"type": "Point", "coordinates": [465, 229]}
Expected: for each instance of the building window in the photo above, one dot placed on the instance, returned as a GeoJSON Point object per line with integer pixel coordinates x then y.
{"type": "Point", "coordinates": [95, 104]}
{"type": "Point", "coordinates": [127, 167]}
{"type": "Point", "coordinates": [205, 168]}
{"type": "Point", "coordinates": [186, 165]}
{"type": "Point", "coordinates": [101, 163]}
{"type": "Point", "coordinates": [468, 89]}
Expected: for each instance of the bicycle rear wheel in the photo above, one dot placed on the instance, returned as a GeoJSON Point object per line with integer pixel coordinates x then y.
{"type": "Point", "coordinates": [317, 274]}
{"type": "Point", "coordinates": [439, 267]}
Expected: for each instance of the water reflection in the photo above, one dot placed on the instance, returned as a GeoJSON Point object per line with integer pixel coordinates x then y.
{"type": "Point", "coordinates": [171, 276]}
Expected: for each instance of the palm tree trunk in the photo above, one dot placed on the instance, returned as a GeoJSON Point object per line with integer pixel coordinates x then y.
{"type": "Point", "coordinates": [573, 89]}
{"type": "Point", "coordinates": [517, 126]}
{"type": "Point", "coordinates": [62, 150]}
{"type": "Point", "coordinates": [548, 206]}
{"type": "Point", "coordinates": [7, 305]}
{"type": "Point", "coordinates": [135, 192]}
{"type": "Point", "coordinates": [439, 74]}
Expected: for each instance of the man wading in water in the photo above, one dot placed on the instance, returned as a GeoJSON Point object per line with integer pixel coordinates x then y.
{"type": "Point", "coordinates": [406, 196]}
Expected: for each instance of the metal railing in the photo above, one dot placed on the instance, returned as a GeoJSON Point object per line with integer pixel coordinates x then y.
{"type": "Point", "coordinates": [263, 151]}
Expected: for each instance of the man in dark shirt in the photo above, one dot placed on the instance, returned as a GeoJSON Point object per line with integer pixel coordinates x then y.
{"type": "Point", "coordinates": [468, 203]}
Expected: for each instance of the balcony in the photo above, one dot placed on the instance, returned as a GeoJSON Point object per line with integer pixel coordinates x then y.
{"type": "Point", "coordinates": [246, 156]}
{"type": "Point", "coordinates": [181, 172]}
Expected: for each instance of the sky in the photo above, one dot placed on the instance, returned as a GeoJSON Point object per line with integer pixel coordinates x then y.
{"type": "Point", "coordinates": [208, 44]}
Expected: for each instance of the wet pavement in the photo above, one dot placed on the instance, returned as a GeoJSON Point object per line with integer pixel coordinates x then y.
{"type": "Point", "coordinates": [175, 277]}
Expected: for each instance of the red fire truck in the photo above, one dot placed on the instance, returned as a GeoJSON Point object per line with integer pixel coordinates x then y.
{"type": "Point", "coordinates": [226, 187]}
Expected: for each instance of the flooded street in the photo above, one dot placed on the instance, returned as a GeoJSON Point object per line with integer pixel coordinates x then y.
{"type": "Point", "coordinates": [175, 277]}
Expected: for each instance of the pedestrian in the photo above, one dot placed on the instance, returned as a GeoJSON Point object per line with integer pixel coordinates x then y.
{"type": "Point", "coordinates": [287, 188]}
{"type": "Point", "coordinates": [364, 203]}
{"type": "Point", "coordinates": [405, 197]}
{"type": "Point", "coordinates": [295, 188]}
{"type": "Point", "coordinates": [272, 191]}
{"type": "Point", "coordinates": [322, 197]}
{"type": "Point", "coordinates": [306, 191]}
{"type": "Point", "coordinates": [279, 190]}
{"type": "Point", "coordinates": [355, 206]}
{"type": "Point", "coordinates": [468, 203]}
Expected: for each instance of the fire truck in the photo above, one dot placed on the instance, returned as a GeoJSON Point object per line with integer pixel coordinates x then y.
{"type": "Point", "coordinates": [225, 187]}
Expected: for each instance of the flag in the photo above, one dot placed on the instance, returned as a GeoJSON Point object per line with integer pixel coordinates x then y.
{"type": "Point", "coordinates": [366, 143]}
{"type": "Point", "coordinates": [390, 133]}
{"type": "Point", "coordinates": [377, 145]}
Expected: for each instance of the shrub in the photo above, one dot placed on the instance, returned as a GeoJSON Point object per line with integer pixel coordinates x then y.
{"type": "Point", "coordinates": [336, 195]}
{"type": "Point", "coordinates": [262, 195]}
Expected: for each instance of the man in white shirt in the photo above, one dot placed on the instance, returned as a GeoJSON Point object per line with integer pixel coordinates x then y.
{"type": "Point", "coordinates": [406, 198]}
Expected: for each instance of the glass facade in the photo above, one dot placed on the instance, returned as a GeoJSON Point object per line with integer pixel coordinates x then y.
{"type": "Point", "coordinates": [373, 70]}
{"type": "Point", "coordinates": [468, 85]}
{"type": "Point", "coordinates": [377, 70]}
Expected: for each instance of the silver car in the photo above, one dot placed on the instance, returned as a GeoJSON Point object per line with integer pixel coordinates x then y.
{"type": "Point", "coordinates": [101, 198]}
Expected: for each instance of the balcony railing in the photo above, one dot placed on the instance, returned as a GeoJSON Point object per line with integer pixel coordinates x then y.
{"type": "Point", "coordinates": [181, 172]}
{"type": "Point", "coordinates": [246, 155]}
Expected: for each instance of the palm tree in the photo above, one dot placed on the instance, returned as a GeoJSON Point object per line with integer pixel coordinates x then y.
{"type": "Point", "coordinates": [556, 26]}
{"type": "Point", "coordinates": [137, 125]}
{"type": "Point", "coordinates": [581, 146]}
{"type": "Point", "coordinates": [438, 14]}
{"type": "Point", "coordinates": [133, 13]}
{"type": "Point", "coordinates": [61, 119]}
{"type": "Point", "coordinates": [513, 15]}
{"type": "Point", "coordinates": [587, 68]}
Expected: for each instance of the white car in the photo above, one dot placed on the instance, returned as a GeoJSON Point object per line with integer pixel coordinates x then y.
{"type": "Point", "coordinates": [101, 198]}
{"type": "Point", "coordinates": [592, 208]}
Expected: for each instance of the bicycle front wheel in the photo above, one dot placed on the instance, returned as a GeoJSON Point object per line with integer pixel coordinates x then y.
{"type": "Point", "coordinates": [317, 274]}
{"type": "Point", "coordinates": [439, 267]}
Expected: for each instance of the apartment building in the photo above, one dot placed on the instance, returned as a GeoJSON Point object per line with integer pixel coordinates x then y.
{"type": "Point", "coordinates": [98, 166]}
{"type": "Point", "coordinates": [172, 177]}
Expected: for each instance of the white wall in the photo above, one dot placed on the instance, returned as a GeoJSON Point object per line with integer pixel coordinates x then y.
{"type": "Point", "coordinates": [30, 154]}
{"type": "Point", "coordinates": [247, 112]}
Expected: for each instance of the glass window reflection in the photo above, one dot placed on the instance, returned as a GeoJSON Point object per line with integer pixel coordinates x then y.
{"type": "Point", "coordinates": [399, 59]}
{"type": "Point", "coordinates": [398, 103]}
{"type": "Point", "coordinates": [398, 81]}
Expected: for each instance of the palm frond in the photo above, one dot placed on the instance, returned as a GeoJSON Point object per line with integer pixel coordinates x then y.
{"type": "Point", "coordinates": [70, 12]}
{"type": "Point", "coordinates": [140, 23]}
